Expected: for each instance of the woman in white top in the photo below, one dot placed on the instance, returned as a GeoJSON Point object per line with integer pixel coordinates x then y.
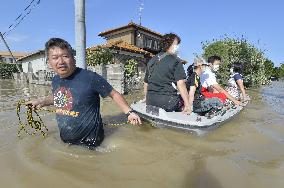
{"type": "Point", "coordinates": [235, 84]}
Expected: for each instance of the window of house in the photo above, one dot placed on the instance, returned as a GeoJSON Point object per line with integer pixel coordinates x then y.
{"type": "Point", "coordinates": [155, 45]}
{"type": "Point", "coordinates": [30, 67]}
{"type": "Point", "coordinates": [149, 43]}
{"type": "Point", "coordinates": [139, 40]}
{"type": "Point", "coordinates": [9, 60]}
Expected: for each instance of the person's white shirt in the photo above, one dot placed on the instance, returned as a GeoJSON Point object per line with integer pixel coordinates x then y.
{"type": "Point", "coordinates": [208, 78]}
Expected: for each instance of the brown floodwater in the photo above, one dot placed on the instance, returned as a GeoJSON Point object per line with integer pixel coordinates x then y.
{"type": "Point", "coordinates": [245, 152]}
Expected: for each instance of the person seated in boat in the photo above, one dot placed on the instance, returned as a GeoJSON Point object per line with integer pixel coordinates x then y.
{"type": "Point", "coordinates": [197, 102]}
{"type": "Point", "coordinates": [210, 86]}
{"type": "Point", "coordinates": [162, 71]}
{"type": "Point", "coordinates": [235, 84]}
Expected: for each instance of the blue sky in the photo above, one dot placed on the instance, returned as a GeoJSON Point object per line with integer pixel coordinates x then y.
{"type": "Point", "coordinates": [261, 22]}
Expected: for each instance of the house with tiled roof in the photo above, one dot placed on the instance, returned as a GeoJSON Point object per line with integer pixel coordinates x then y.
{"type": "Point", "coordinates": [136, 35]}
{"type": "Point", "coordinates": [6, 57]}
{"type": "Point", "coordinates": [131, 41]}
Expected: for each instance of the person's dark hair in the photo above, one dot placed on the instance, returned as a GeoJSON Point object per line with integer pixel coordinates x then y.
{"type": "Point", "coordinates": [60, 43]}
{"type": "Point", "coordinates": [213, 58]}
{"type": "Point", "coordinates": [190, 70]}
{"type": "Point", "coordinates": [168, 40]}
{"type": "Point", "coordinates": [237, 67]}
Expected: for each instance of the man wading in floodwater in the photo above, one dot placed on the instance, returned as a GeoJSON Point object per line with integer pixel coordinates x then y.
{"type": "Point", "coordinates": [76, 96]}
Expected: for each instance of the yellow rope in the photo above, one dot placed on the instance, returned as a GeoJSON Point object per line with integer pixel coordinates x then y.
{"type": "Point", "coordinates": [116, 124]}
{"type": "Point", "coordinates": [38, 125]}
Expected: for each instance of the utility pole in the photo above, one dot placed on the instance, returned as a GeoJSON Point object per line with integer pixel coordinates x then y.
{"type": "Point", "coordinates": [80, 33]}
{"type": "Point", "coordinates": [14, 59]}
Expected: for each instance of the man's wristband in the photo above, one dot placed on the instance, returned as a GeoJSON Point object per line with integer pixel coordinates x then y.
{"type": "Point", "coordinates": [130, 111]}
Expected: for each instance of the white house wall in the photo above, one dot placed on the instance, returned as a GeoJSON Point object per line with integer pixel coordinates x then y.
{"type": "Point", "coordinates": [37, 63]}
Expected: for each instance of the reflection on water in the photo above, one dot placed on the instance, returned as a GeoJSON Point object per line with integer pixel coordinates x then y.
{"type": "Point", "coordinates": [246, 152]}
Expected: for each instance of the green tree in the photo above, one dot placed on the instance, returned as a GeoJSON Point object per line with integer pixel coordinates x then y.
{"type": "Point", "coordinates": [231, 50]}
{"type": "Point", "coordinates": [269, 68]}
{"type": "Point", "coordinates": [7, 70]}
{"type": "Point", "coordinates": [276, 71]}
{"type": "Point", "coordinates": [100, 56]}
{"type": "Point", "coordinates": [281, 71]}
{"type": "Point", "coordinates": [131, 68]}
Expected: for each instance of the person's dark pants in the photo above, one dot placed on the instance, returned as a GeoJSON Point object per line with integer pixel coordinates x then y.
{"type": "Point", "coordinates": [168, 103]}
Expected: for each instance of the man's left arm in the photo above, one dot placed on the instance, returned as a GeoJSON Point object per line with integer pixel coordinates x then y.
{"type": "Point", "coordinates": [133, 118]}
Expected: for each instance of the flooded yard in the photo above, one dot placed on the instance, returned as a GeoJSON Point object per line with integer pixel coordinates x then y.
{"type": "Point", "coordinates": [245, 152]}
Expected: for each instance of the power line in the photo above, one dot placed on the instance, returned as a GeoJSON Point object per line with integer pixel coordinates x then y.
{"type": "Point", "coordinates": [32, 5]}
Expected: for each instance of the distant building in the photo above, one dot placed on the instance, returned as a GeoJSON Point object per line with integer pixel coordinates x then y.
{"type": "Point", "coordinates": [131, 41]}
{"type": "Point", "coordinates": [6, 57]}
{"type": "Point", "coordinates": [34, 62]}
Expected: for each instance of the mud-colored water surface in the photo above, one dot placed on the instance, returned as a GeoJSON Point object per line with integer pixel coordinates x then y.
{"type": "Point", "coordinates": [245, 152]}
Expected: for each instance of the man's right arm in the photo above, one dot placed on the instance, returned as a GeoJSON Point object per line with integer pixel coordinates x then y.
{"type": "Point", "coordinates": [38, 103]}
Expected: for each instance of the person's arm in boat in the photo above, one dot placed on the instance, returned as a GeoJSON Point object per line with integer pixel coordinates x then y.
{"type": "Point", "coordinates": [133, 118]}
{"type": "Point", "coordinates": [38, 103]}
{"type": "Point", "coordinates": [145, 86]}
{"type": "Point", "coordinates": [230, 97]}
{"type": "Point", "coordinates": [191, 96]}
{"type": "Point", "coordinates": [242, 88]}
{"type": "Point", "coordinates": [184, 94]}
{"type": "Point", "coordinates": [145, 91]}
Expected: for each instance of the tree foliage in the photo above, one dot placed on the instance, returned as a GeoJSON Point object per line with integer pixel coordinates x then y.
{"type": "Point", "coordinates": [281, 71]}
{"type": "Point", "coordinates": [7, 70]}
{"type": "Point", "coordinates": [232, 50]}
{"type": "Point", "coordinates": [131, 68]}
{"type": "Point", "coordinates": [100, 56]}
{"type": "Point", "coordinates": [278, 72]}
{"type": "Point", "coordinates": [269, 68]}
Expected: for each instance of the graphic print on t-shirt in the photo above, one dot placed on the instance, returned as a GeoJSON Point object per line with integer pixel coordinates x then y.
{"type": "Point", "coordinates": [63, 98]}
{"type": "Point", "coordinates": [63, 101]}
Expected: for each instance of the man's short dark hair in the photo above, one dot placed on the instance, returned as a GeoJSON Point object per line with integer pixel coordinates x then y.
{"type": "Point", "coordinates": [60, 43]}
{"type": "Point", "coordinates": [213, 58]}
{"type": "Point", "coordinates": [168, 40]}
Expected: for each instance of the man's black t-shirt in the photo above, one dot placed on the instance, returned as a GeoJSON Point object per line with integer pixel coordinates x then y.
{"type": "Point", "coordinates": [163, 71]}
{"type": "Point", "coordinates": [78, 107]}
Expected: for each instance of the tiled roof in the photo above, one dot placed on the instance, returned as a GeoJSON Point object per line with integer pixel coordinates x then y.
{"type": "Point", "coordinates": [15, 54]}
{"type": "Point", "coordinates": [32, 54]}
{"type": "Point", "coordinates": [131, 24]}
{"type": "Point", "coordinates": [122, 45]}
